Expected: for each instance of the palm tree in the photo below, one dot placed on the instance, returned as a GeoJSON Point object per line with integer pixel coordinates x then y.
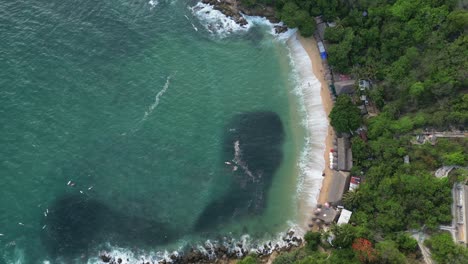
{"type": "Point", "coordinates": [351, 199]}
{"type": "Point", "coordinates": [344, 235]}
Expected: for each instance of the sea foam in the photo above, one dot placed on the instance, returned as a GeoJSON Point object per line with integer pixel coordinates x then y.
{"type": "Point", "coordinates": [154, 105]}
{"type": "Point", "coordinates": [218, 24]}
{"type": "Point", "coordinates": [308, 88]}
{"type": "Point", "coordinates": [214, 21]}
{"type": "Point", "coordinates": [153, 3]}
{"type": "Point", "coordinates": [234, 246]}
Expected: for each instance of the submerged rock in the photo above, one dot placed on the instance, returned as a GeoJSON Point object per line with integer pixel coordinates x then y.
{"type": "Point", "coordinates": [105, 258]}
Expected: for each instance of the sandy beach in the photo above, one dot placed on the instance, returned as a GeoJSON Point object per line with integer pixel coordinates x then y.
{"type": "Point", "coordinates": [310, 45]}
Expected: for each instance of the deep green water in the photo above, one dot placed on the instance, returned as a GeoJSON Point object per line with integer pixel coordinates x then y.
{"type": "Point", "coordinates": [140, 111]}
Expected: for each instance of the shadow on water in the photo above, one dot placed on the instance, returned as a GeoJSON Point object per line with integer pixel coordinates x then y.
{"type": "Point", "coordinates": [259, 136]}
{"type": "Point", "coordinates": [77, 224]}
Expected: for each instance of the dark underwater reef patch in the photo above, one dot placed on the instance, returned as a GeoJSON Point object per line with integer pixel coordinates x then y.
{"type": "Point", "coordinates": [77, 224]}
{"type": "Point", "coordinates": [253, 143]}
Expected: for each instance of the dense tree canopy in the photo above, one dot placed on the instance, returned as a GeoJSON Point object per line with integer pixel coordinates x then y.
{"type": "Point", "coordinates": [313, 240]}
{"type": "Point", "coordinates": [445, 251]}
{"type": "Point", "coordinates": [345, 116]}
{"type": "Point", "coordinates": [416, 54]}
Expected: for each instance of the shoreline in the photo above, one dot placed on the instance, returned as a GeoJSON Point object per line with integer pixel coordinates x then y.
{"type": "Point", "coordinates": [310, 46]}
{"type": "Point", "coordinates": [317, 102]}
{"type": "Point", "coordinates": [312, 162]}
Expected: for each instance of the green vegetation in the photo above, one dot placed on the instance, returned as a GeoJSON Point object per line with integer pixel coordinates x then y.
{"type": "Point", "coordinates": [416, 55]}
{"type": "Point", "coordinates": [345, 116]}
{"type": "Point", "coordinates": [294, 14]}
{"type": "Point", "coordinates": [445, 251]}
{"type": "Point", "coordinates": [250, 259]}
{"type": "Point", "coordinates": [313, 240]}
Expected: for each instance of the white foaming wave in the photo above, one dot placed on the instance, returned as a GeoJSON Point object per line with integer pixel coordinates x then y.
{"type": "Point", "coordinates": [214, 21]}
{"type": "Point", "coordinates": [221, 25]}
{"type": "Point", "coordinates": [308, 88]}
{"type": "Point", "coordinates": [129, 257]}
{"type": "Point", "coordinates": [263, 21]}
{"type": "Point", "coordinates": [153, 3]}
{"type": "Point", "coordinates": [238, 160]}
{"type": "Point", "coordinates": [207, 248]}
{"type": "Point", "coordinates": [125, 255]}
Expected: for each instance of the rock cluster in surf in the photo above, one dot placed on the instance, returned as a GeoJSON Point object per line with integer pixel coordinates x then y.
{"type": "Point", "coordinates": [212, 253]}
{"type": "Point", "coordinates": [235, 10]}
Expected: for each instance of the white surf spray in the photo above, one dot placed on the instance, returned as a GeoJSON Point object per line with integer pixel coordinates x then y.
{"type": "Point", "coordinates": [240, 247]}
{"type": "Point", "coordinates": [153, 3]}
{"type": "Point", "coordinates": [312, 162]}
{"type": "Point", "coordinates": [214, 21]}
{"type": "Point", "coordinates": [238, 160]}
{"type": "Point", "coordinates": [154, 105]}
{"type": "Point", "coordinates": [221, 25]}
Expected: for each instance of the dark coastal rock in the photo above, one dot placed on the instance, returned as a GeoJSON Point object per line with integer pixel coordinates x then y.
{"type": "Point", "coordinates": [219, 253]}
{"type": "Point", "coordinates": [221, 250]}
{"type": "Point", "coordinates": [280, 29]}
{"type": "Point", "coordinates": [259, 10]}
{"type": "Point", "coordinates": [234, 9]}
{"type": "Point", "coordinates": [229, 8]}
{"type": "Point", "coordinates": [105, 258]}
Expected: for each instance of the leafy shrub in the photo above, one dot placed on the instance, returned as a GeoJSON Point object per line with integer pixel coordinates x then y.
{"type": "Point", "coordinates": [313, 240]}
{"type": "Point", "coordinates": [248, 260]}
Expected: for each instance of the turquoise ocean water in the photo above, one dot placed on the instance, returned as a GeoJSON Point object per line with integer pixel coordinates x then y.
{"type": "Point", "coordinates": [118, 118]}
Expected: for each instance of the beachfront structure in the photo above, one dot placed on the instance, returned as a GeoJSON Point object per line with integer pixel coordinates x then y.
{"type": "Point", "coordinates": [321, 26]}
{"type": "Point", "coordinates": [460, 212]}
{"type": "Point", "coordinates": [354, 183]}
{"type": "Point", "coordinates": [323, 52]}
{"type": "Point", "coordinates": [344, 217]}
{"type": "Point", "coordinates": [344, 87]}
{"type": "Point", "coordinates": [364, 85]}
{"type": "Point", "coordinates": [345, 156]}
{"type": "Point", "coordinates": [325, 215]}
{"type": "Point", "coordinates": [339, 184]}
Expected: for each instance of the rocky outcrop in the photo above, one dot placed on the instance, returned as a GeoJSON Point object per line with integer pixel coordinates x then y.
{"type": "Point", "coordinates": [234, 9]}
{"type": "Point", "coordinates": [230, 8]}
{"type": "Point", "coordinates": [219, 253]}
